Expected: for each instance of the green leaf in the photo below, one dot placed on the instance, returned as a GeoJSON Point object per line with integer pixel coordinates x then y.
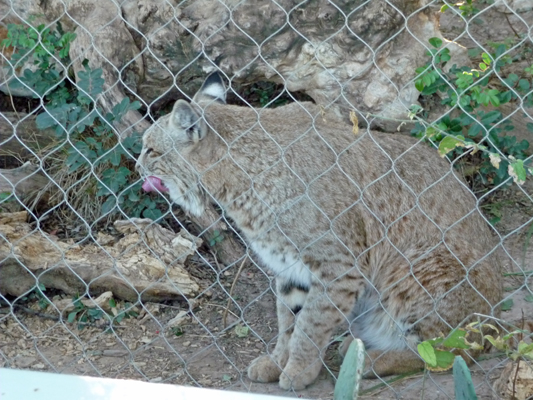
{"type": "Point", "coordinates": [435, 42]}
{"type": "Point", "coordinates": [517, 171]}
{"type": "Point", "coordinates": [505, 97]}
{"type": "Point", "coordinates": [444, 8]}
{"type": "Point", "coordinates": [512, 78]}
{"type": "Point", "coordinates": [154, 214]}
{"type": "Point", "coordinates": [91, 81]}
{"type": "Point", "coordinates": [444, 360]}
{"type": "Point", "coordinates": [456, 340]}
{"type": "Point", "coordinates": [449, 143]}
{"type": "Point", "coordinates": [524, 84]}
{"type": "Point", "coordinates": [109, 205]}
{"type": "Point", "coordinates": [474, 130]}
{"type": "Point", "coordinates": [134, 196]}
{"type": "Point", "coordinates": [419, 85]}
{"type": "Point", "coordinates": [490, 117]}
{"type": "Point", "coordinates": [72, 316]}
{"type": "Point", "coordinates": [493, 97]}
{"type": "Point", "coordinates": [507, 304]}
{"type": "Point", "coordinates": [241, 330]}
{"type": "Point", "coordinates": [94, 313]}
{"type": "Point", "coordinates": [524, 348]}
{"type": "Point", "coordinates": [427, 352]}
{"type": "Point", "coordinates": [529, 298]}
{"type": "Point", "coordinates": [119, 317]}
{"type": "Point", "coordinates": [445, 56]}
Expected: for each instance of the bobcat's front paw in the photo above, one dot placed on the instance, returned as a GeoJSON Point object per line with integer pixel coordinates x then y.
{"type": "Point", "coordinates": [298, 376]}
{"type": "Point", "coordinates": [264, 369]}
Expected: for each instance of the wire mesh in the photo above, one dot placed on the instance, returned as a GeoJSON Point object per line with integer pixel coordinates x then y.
{"type": "Point", "coordinates": [189, 313]}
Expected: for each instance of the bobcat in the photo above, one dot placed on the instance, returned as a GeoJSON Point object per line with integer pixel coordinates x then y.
{"type": "Point", "coordinates": [372, 229]}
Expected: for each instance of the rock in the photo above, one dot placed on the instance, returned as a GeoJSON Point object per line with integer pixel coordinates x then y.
{"type": "Point", "coordinates": [515, 382]}
{"type": "Point", "coordinates": [159, 49]}
{"type": "Point", "coordinates": [513, 6]}
{"type": "Point", "coordinates": [178, 320]}
{"type": "Point", "coordinates": [24, 362]}
{"type": "Point", "coordinates": [144, 261]}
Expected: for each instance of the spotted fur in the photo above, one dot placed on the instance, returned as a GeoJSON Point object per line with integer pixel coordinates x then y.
{"type": "Point", "coordinates": [374, 230]}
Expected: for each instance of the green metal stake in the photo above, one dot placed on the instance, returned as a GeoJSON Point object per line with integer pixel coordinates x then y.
{"type": "Point", "coordinates": [464, 387]}
{"type": "Point", "coordinates": [347, 386]}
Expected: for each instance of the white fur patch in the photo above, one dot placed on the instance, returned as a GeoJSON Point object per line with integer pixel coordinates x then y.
{"type": "Point", "coordinates": [189, 202]}
{"type": "Point", "coordinates": [296, 298]}
{"type": "Point", "coordinates": [216, 91]}
{"type": "Point", "coordinates": [377, 329]}
{"type": "Point", "coordinates": [285, 266]}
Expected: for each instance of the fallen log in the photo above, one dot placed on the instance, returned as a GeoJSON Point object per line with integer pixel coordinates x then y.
{"type": "Point", "coordinates": [26, 182]}
{"type": "Point", "coordinates": [146, 264]}
{"type": "Point", "coordinates": [20, 137]}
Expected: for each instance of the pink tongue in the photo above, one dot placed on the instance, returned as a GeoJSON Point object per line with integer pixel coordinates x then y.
{"type": "Point", "coordinates": [152, 183]}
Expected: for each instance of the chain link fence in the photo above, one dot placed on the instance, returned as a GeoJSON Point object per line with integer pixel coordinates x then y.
{"type": "Point", "coordinates": [87, 287]}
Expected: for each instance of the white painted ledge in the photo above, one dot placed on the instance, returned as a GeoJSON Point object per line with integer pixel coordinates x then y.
{"type": "Point", "coordinates": [31, 385]}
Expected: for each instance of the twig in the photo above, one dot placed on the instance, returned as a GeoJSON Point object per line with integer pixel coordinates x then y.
{"type": "Point", "coordinates": [515, 377]}
{"type": "Point", "coordinates": [517, 273]}
{"type": "Point", "coordinates": [216, 260]}
{"type": "Point", "coordinates": [511, 25]}
{"type": "Point", "coordinates": [36, 313]}
{"type": "Point", "coordinates": [54, 318]}
{"type": "Point", "coordinates": [386, 384]}
{"type": "Point", "coordinates": [225, 315]}
{"type": "Point", "coordinates": [218, 305]}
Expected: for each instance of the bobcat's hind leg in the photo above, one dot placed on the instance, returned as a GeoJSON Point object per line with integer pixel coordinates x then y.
{"type": "Point", "coordinates": [290, 299]}
{"type": "Point", "coordinates": [329, 302]}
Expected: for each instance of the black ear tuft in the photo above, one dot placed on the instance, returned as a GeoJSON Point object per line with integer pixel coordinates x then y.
{"type": "Point", "coordinates": [214, 78]}
{"type": "Point", "coordinates": [213, 88]}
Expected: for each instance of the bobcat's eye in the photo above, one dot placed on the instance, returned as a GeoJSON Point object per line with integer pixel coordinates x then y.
{"type": "Point", "coordinates": [148, 151]}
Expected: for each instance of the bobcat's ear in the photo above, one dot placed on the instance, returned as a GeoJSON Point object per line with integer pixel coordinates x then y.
{"type": "Point", "coordinates": [187, 124]}
{"type": "Point", "coordinates": [213, 89]}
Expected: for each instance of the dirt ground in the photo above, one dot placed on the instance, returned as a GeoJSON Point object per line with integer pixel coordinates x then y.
{"type": "Point", "coordinates": [200, 351]}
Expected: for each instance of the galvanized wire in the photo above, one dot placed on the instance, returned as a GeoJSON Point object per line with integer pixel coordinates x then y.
{"type": "Point", "coordinates": [214, 344]}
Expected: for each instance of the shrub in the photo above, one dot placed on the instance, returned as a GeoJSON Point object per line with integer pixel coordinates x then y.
{"type": "Point", "coordinates": [89, 161]}
{"type": "Point", "coordinates": [475, 122]}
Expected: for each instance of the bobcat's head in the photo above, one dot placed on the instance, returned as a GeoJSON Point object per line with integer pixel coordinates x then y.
{"type": "Point", "coordinates": [170, 145]}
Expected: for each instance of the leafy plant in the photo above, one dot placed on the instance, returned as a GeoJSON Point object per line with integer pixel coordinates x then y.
{"type": "Point", "coordinates": [438, 357]}
{"type": "Point", "coordinates": [86, 315]}
{"type": "Point", "coordinates": [266, 94]}
{"type": "Point", "coordinates": [241, 330]}
{"type": "Point", "coordinates": [38, 295]}
{"type": "Point", "coordinates": [216, 238]}
{"type": "Point", "coordinates": [45, 47]}
{"type": "Point", "coordinates": [466, 8]}
{"type": "Point", "coordinates": [5, 197]}
{"type": "Point", "coordinates": [177, 330]}
{"type": "Point", "coordinates": [89, 147]}
{"type": "Point", "coordinates": [83, 314]}
{"type": "Point", "coordinates": [435, 354]}
{"type": "Point", "coordinates": [473, 127]}
{"type": "Point", "coordinates": [120, 313]}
